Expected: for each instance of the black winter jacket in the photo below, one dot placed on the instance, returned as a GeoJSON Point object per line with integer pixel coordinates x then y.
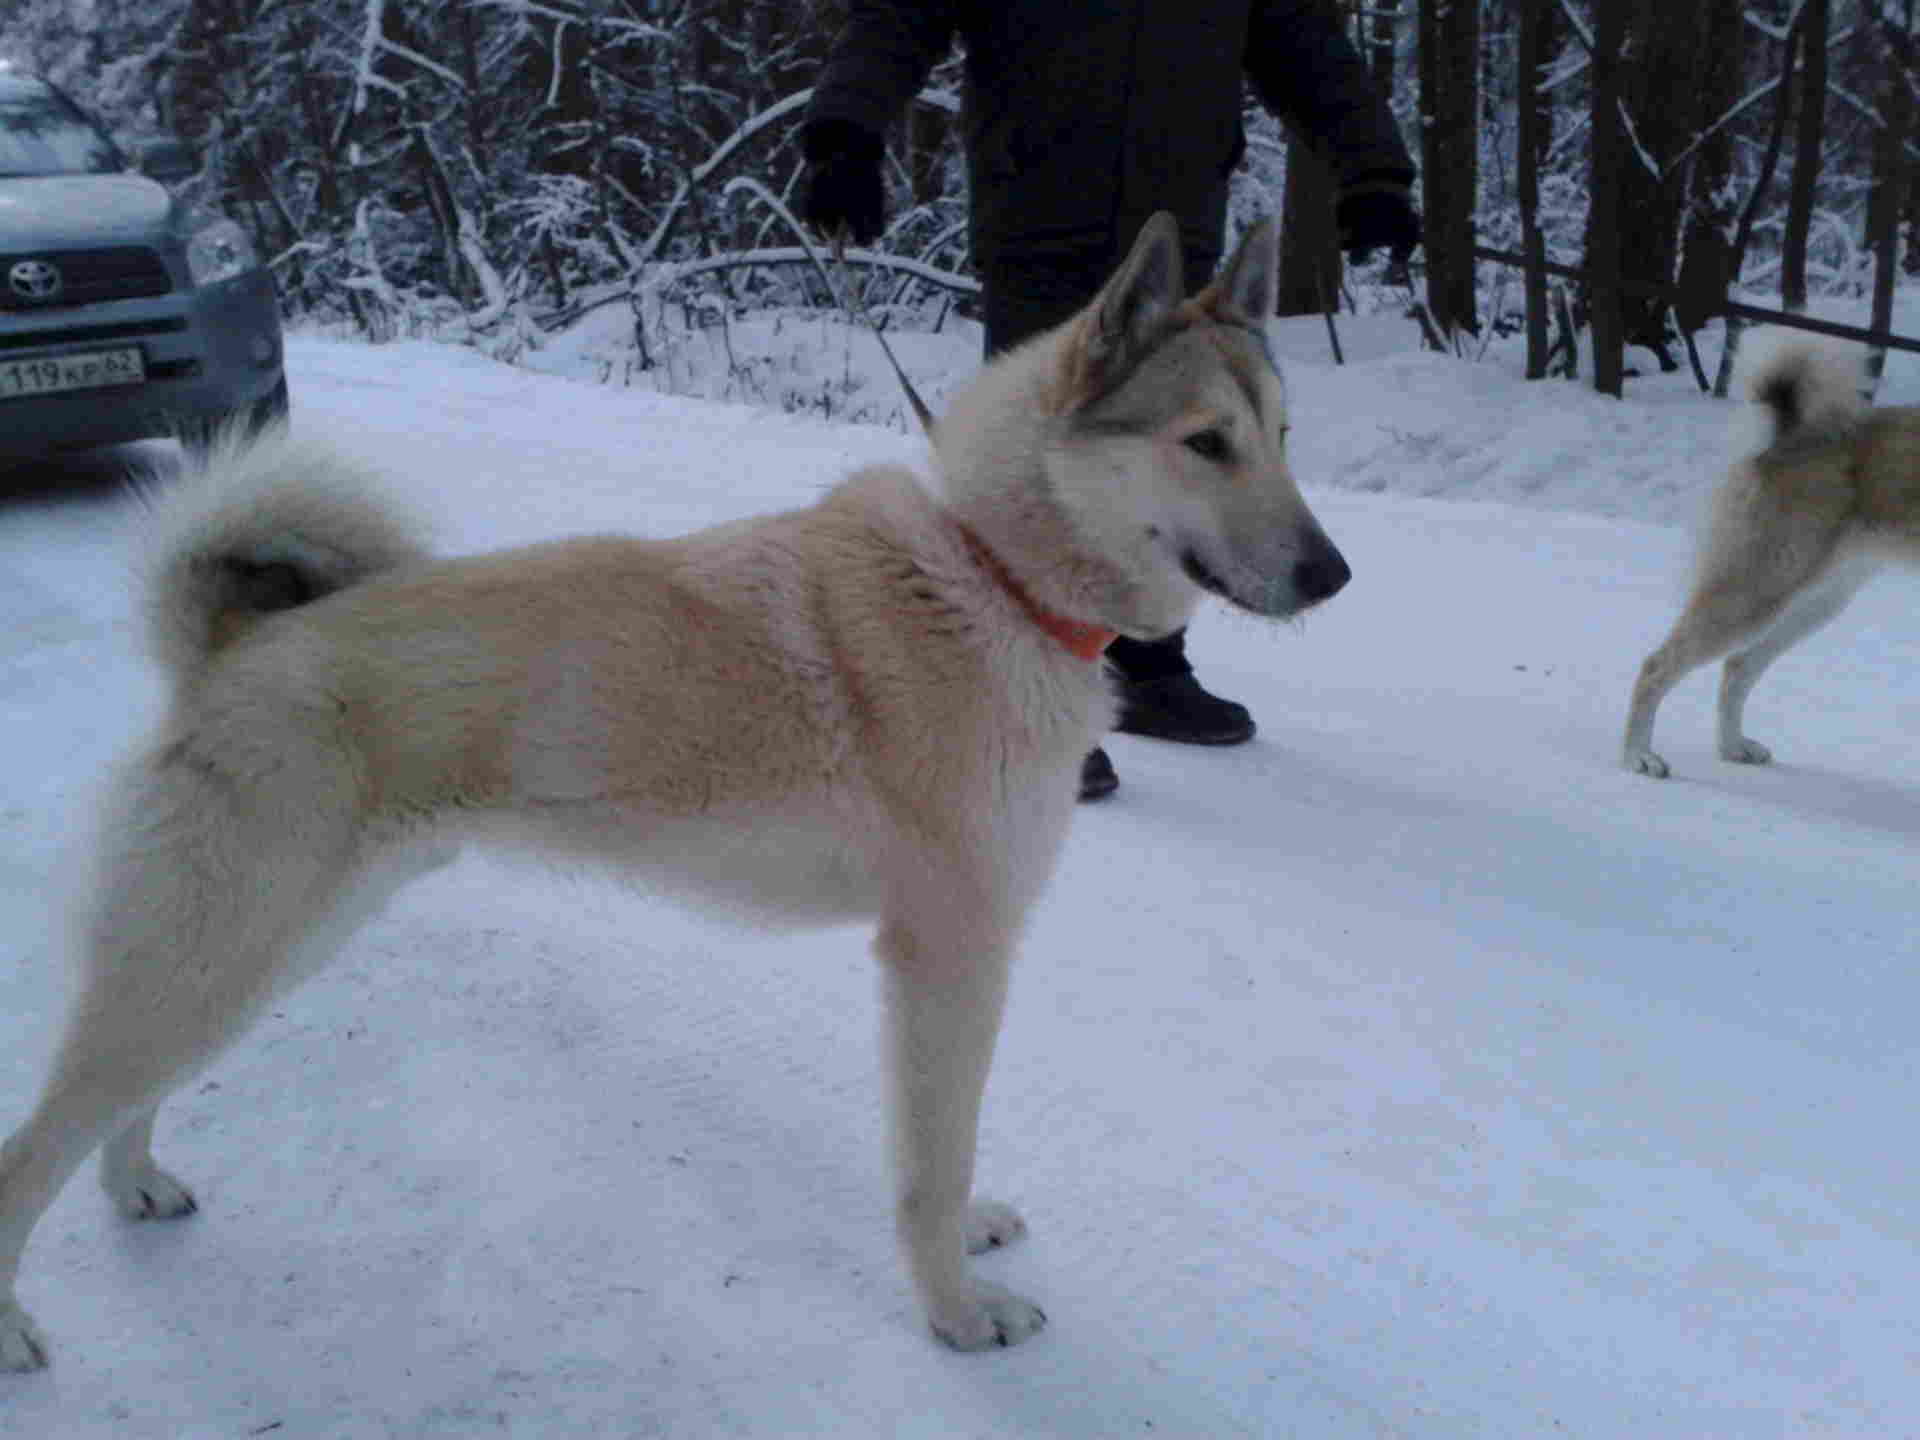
{"type": "Point", "coordinates": [1083, 117]}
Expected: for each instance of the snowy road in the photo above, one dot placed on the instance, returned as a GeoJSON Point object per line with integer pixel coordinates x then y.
{"type": "Point", "coordinates": [1409, 1072]}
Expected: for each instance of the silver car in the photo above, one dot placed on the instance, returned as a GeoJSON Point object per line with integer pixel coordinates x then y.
{"type": "Point", "coordinates": [125, 313]}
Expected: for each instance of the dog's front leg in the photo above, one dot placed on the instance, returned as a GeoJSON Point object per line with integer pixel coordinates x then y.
{"type": "Point", "coordinates": [944, 993]}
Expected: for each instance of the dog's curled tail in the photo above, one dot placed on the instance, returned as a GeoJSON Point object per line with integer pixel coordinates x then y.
{"type": "Point", "coordinates": [1802, 381]}
{"type": "Point", "coordinates": [264, 524]}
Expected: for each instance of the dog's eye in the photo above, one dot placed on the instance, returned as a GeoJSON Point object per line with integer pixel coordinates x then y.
{"type": "Point", "coordinates": [1208, 445]}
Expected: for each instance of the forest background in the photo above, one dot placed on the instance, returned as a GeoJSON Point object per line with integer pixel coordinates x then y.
{"type": "Point", "coordinates": [491, 171]}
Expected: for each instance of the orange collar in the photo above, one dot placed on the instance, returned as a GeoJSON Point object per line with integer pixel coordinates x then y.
{"type": "Point", "coordinates": [1079, 639]}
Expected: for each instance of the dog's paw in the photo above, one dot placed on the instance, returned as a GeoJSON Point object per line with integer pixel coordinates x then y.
{"type": "Point", "coordinates": [21, 1347]}
{"type": "Point", "coordinates": [1746, 752]}
{"type": "Point", "coordinates": [151, 1194]}
{"type": "Point", "coordinates": [993, 1226]}
{"type": "Point", "coordinates": [994, 1319]}
{"type": "Point", "coordinates": [1644, 762]}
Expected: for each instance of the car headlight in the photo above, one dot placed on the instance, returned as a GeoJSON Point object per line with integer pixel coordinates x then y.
{"type": "Point", "coordinates": [219, 251]}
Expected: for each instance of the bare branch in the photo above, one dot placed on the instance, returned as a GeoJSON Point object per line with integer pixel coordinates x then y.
{"type": "Point", "coordinates": [414, 57]}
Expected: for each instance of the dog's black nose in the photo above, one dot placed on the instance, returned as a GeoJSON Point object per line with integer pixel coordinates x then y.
{"type": "Point", "coordinates": [1324, 572]}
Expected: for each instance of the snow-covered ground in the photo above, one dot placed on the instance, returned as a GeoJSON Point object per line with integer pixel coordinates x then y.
{"type": "Point", "coordinates": [1411, 1071]}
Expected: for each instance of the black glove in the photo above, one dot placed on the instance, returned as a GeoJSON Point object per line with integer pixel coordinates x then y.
{"type": "Point", "coordinates": [842, 189]}
{"type": "Point", "coordinates": [1373, 211]}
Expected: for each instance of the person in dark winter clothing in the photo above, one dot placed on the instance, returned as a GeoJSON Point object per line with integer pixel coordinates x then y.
{"type": "Point", "coordinates": [1081, 121]}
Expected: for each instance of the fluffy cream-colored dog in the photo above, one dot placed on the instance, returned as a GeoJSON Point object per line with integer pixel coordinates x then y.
{"type": "Point", "coordinates": [876, 705]}
{"type": "Point", "coordinates": [1794, 531]}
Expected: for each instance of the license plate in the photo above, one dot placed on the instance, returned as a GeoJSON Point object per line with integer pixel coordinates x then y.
{"type": "Point", "coordinates": [86, 370]}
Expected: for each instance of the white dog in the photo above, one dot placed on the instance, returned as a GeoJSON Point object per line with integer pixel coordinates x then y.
{"type": "Point", "coordinates": [1795, 530]}
{"type": "Point", "coordinates": [876, 705]}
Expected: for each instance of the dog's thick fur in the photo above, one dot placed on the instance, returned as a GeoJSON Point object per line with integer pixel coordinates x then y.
{"type": "Point", "coordinates": [1794, 530]}
{"type": "Point", "coordinates": [869, 706]}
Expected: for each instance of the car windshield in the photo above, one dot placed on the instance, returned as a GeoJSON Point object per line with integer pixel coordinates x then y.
{"type": "Point", "coordinates": [44, 133]}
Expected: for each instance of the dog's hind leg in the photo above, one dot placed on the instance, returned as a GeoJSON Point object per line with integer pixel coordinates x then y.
{"type": "Point", "coordinates": [105, 1087]}
{"type": "Point", "coordinates": [1704, 631]}
{"type": "Point", "coordinates": [1748, 580]}
{"type": "Point", "coordinates": [1806, 613]}
{"type": "Point", "coordinates": [201, 903]}
{"type": "Point", "coordinates": [945, 986]}
{"type": "Point", "coordinates": [117, 1063]}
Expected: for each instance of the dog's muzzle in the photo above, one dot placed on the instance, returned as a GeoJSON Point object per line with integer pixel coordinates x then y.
{"type": "Point", "coordinates": [1322, 573]}
{"type": "Point", "coordinates": [1318, 571]}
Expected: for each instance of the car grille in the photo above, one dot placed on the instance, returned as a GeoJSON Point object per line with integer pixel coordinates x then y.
{"type": "Point", "coordinates": [43, 336]}
{"type": "Point", "coordinates": [125, 272]}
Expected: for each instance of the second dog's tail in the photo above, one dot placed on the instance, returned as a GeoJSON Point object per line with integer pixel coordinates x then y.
{"type": "Point", "coordinates": [1801, 381]}
{"type": "Point", "coordinates": [262, 526]}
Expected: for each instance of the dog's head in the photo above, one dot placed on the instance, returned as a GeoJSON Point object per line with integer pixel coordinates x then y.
{"type": "Point", "coordinates": [1169, 442]}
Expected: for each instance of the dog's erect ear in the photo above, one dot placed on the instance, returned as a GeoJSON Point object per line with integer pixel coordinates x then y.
{"type": "Point", "coordinates": [1127, 315]}
{"type": "Point", "coordinates": [1144, 290]}
{"type": "Point", "coordinates": [1245, 291]}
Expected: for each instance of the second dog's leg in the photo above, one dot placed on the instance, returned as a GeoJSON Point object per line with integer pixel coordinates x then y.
{"type": "Point", "coordinates": [944, 994]}
{"type": "Point", "coordinates": [1740, 596]}
{"type": "Point", "coordinates": [1806, 614]}
{"type": "Point", "coordinates": [1693, 643]}
{"type": "Point", "coordinates": [138, 1187]}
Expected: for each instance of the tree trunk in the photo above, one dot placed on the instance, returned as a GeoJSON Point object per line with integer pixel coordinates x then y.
{"type": "Point", "coordinates": [1381, 44]}
{"type": "Point", "coordinates": [564, 145]}
{"type": "Point", "coordinates": [927, 130]}
{"type": "Point", "coordinates": [1809, 137]}
{"type": "Point", "coordinates": [1449, 145]}
{"type": "Point", "coordinates": [1743, 233]}
{"type": "Point", "coordinates": [1532, 145]}
{"type": "Point", "coordinates": [1912, 264]}
{"type": "Point", "coordinates": [1603, 224]}
{"type": "Point", "coordinates": [1707, 233]}
{"type": "Point", "coordinates": [1889, 173]}
{"type": "Point", "coordinates": [1660, 74]}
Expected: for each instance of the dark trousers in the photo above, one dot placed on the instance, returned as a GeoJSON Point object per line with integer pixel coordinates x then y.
{"type": "Point", "coordinates": [1026, 294]}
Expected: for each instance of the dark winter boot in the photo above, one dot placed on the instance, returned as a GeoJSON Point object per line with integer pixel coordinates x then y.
{"type": "Point", "coordinates": [1097, 777]}
{"type": "Point", "coordinates": [1160, 698]}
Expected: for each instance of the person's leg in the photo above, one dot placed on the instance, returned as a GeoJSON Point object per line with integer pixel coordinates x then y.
{"type": "Point", "coordinates": [1023, 295]}
{"type": "Point", "coordinates": [1160, 698]}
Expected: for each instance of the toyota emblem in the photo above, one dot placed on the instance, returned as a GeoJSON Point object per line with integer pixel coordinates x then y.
{"type": "Point", "coordinates": [35, 281]}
